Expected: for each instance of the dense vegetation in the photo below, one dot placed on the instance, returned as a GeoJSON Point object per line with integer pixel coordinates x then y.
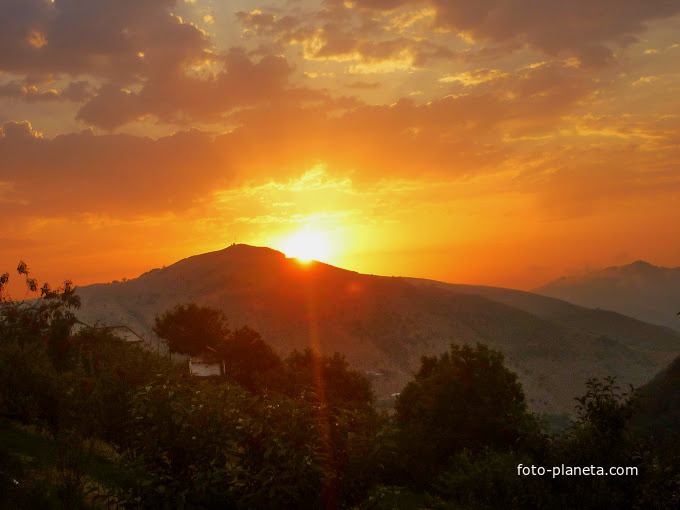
{"type": "Point", "coordinates": [659, 410]}
{"type": "Point", "coordinates": [88, 420]}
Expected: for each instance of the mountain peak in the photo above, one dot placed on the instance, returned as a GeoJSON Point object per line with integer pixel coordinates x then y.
{"type": "Point", "coordinates": [249, 248]}
{"type": "Point", "coordinates": [642, 290]}
{"type": "Point", "coordinates": [239, 251]}
{"type": "Point", "coordinates": [642, 264]}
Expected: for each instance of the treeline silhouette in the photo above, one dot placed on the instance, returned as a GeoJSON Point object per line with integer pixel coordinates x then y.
{"type": "Point", "coordinates": [88, 420]}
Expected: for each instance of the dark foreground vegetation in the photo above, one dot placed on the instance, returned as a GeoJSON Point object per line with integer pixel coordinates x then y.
{"type": "Point", "coordinates": [88, 420]}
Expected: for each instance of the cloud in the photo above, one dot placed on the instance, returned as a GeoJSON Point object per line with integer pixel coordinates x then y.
{"type": "Point", "coordinates": [78, 91]}
{"type": "Point", "coordinates": [473, 77]}
{"type": "Point", "coordinates": [341, 34]}
{"type": "Point", "coordinates": [112, 107]}
{"type": "Point", "coordinates": [182, 98]}
{"type": "Point", "coordinates": [29, 93]}
{"type": "Point", "coordinates": [14, 131]}
{"type": "Point", "coordinates": [645, 80]}
{"type": "Point", "coordinates": [98, 38]}
{"type": "Point", "coordinates": [144, 60]}
{"type": "Point", "coordinates": [130, 175]}
{"type": "Point", "coordinates": [477, 129]}
{"type": "Point", "coordinates": [121, 175]}
{"type": "Point", "coordinates": [133, 60]}
{"type": "Point", "coordinates": [457, 135]}
{"type": "Point", "coordinates": [582, 28]}
{"type": "Point", "coordinates": [256, 21]}
{"type": "Point", "coordinates": [74, 91]}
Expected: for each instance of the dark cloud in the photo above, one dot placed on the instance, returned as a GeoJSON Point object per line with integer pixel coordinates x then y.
{"type": "Point", "coordinates": [342, 34]}
{"type": "Point", "coordinates": [13, 131]}
{"type": "Point", "coordinates": [584, 28]}
{"type": "Point", "coordinates": [145, 60]}
{"type": "Point", "coordinates": [258, 22]}
{"type": "Point", "coordinates": [180, 97]}
{"type": "Point", "coordinates": [335, 41]}
{"type": "Point", "coordinates": [148, 62]}
{"type": "Point", "coordinates": [112, 107]}
{"type": "Point", "coordinates": [78, 91]}
{"type": "Point", "coordinates": [74, 91]}
{"type": "Point", "coordinates": [28, 93]}
{"type": "Point", "coordinates": [121, 41]}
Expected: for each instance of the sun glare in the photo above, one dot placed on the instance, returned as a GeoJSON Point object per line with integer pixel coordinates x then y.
{"type": "Point", "coordinates": [306, 245]}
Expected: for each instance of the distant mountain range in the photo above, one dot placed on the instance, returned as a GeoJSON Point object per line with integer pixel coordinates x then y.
{"type": "Point", "coordinates": [641, 290]}
{"type": "Point", "coordinates": [385, 324]}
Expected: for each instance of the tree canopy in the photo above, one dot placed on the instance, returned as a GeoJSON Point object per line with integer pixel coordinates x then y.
{"type": "Point", "coordinates": [190, 329]}
{"type": "Point", "coordinates": [464, 399]}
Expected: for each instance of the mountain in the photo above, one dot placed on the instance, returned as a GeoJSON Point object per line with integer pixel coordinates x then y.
{"type": "Point", "coordinates": [641, 290]}
{"type": "Point", "coordinates": [385, 324]}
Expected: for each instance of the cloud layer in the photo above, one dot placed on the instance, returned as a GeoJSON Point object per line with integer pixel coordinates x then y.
{"type": "Point", "coordinates": [587, 29]}
{"type": "Point", "coordinates": [505, 114]}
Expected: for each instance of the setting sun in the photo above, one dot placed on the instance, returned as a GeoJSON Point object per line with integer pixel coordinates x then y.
{"type": "Point", "coordinates": [306, 245]}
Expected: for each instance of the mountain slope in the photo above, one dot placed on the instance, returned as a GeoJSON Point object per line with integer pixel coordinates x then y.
{"type": "Point", "coordinates": [384, 325]}
{"type": "Point", "coordinates": [658, 407]}
{"type": "Point", "coordinates": [641, 290]}
{"type": "Point", "coordinates": [655, 341]}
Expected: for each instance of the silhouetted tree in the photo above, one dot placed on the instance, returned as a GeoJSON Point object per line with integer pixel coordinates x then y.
{"type": "Point", "coordinates": [464, 399]}
{"type": "Point", "coordinates": [35, 346]}
{"type": "Point", "coordinates": [250, 361]}
{"type": "Point", "coordinates": [330, 377]}
{"type": "Point", "coordinates": [189, 329]}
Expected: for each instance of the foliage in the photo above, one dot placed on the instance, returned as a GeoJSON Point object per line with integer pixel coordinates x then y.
{"type": "Point", "coordinates": [602, 436]}
{"type": "Point", "coordinates": [67, 472]}
{"type": "Point", "coordinates": [657, 406]}
{"type": "Point", "coordinates": [328, 379]}
{"type": "Point", "coordinates": [390, 497]}
{"type": "Point", "coordinates": [48, 319]}
{"type": "Point", "coordinates": [34, 347]}
{"type": "Point", "coordinates": [464, 399]}
{"type": "Point", "coordinates": [250, 361]}
{"type": "Point", "coordinates": [229, 442]}
{"type": "Point", "coordinates": [226, 445]}
{"type": "Point", "coordinates": [488, 479]}
{"type": "Point", "coordinates": [190, 329]}
{"type": "Point", "coordinates": [599, 437]}
{"type": "Point", "coordinates": [87, 420]}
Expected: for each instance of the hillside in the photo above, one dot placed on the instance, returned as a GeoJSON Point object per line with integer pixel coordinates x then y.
{"type": "Point", "coordinates": [641, 290]}
{"type": "Point", "coordinates": [658, 412]}
{"type": "Point", "coordinates": [631, 332]}
{"type": "Point", "coordinates": [384, 325]}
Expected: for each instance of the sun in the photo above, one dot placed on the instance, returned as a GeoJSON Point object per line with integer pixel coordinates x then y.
{"type": "Point", "coordinates": [306, 245]}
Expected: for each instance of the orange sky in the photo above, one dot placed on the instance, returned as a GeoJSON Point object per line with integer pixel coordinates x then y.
{"type": "Point", "coordinates": [499, 142]}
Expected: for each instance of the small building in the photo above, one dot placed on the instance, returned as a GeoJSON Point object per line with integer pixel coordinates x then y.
{"type": "Point", "coordinates": [206, 365]}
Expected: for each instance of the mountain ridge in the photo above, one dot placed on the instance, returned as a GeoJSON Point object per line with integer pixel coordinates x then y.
{"type": "Point", "coordinates": [641, 290]}
{"type": "Point", "coordinates": [385, 324]}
